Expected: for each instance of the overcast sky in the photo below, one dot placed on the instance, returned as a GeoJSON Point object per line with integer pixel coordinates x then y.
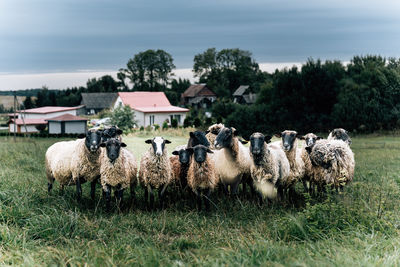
{"type": "Point", "coordinates": [74, 37]}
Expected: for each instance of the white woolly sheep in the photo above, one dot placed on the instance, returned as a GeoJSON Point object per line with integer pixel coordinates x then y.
{"type": "Point", "coordinates": [270, 166]}
{"type": "Point", "coordinates": [155, 169]}
{"type": "Point", "coordinates": [118, 169]}
{"type": "Point", "coordinates": [201, 175]}
{"type": "Point", "coordinates": [232, 159]}
{"type": "Point", "coordinates": [309, 139]}
{"type": "Point", "coordinates": [340, 134]}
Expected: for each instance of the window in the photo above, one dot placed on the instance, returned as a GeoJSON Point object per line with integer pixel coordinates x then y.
{"type": "Point", "coordinates": [151, 119]}
{"type": "Point", "coordinates": [178, 118]}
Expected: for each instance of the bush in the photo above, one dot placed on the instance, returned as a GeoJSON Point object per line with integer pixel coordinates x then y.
{"type": "Point", "coordinates": [165, 125]}
{"type": "Point", "coordinates": [123, 117]}
{"type": "Point", "coordinates": [187, 122]}
{"type": "Point", "coordinates": [174, 123]}
{"type": "Point", "coordinates": [197, 122]}
{"type": "Point", "coordinates": [156, 126]}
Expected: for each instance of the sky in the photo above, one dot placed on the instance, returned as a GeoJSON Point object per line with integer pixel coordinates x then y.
{"type": "Point", "coordinates": [63, 43]}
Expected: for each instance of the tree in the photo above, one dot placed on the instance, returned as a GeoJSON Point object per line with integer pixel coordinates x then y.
{"type": "Point", "coordinates": [104, 84]}
{"type": "Point", "coordinates": [28, 103]}
{"type": "Point", "coordinates": [176, 89]}
{"type": "Point", "coordinates": [123, 117]}
{"type": "Point", "coordinates": [149, 70]}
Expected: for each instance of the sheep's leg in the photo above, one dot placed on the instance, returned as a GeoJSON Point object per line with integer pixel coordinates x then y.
{"type": "Point", "coordinates": [78, 189]}
{"type": "Point", "coordinates": [161, 195]}
{"type": "Point", "coordinates": [93, 189]}
{"type": "Point", "coordinates": [234, 188]}
{"type": "Point", "coordinates": [151, 198]}
{"type": "Point", "coordinates": [133, 193]}
{"type": "Point", "coordinates": [207, 200]}
{"type": "Point", "coordinates": [292, 194]}
{"type": "Point", "coordinates": [50, 184]}
{"type": "Point", "coordinates": [260, 199]}
{"type": "Point", "coordinates": [199, 199]}
{"type": "Point", "coordinates": [280, 193]}
{"type": "Point", "coordinates": [225, 188]}
{"type": "Point", "coordinates": [120, 194]}
{"type": "Point", "coordinates": [108, 197]}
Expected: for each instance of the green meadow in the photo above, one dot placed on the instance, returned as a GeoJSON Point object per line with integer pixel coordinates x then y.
{"type": "Point", "coordinates": [359, 227]}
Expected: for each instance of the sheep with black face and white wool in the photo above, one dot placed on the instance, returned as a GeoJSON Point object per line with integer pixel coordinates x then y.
{"type": "Point", "coordinates": [293, 154]}
{"type": "Point", "coordinates": [340, 134]}
{"type": "Point", "coordinates": [85, 163]}
{"type": "Point", "coordinates": [232, 159]}
{"type": "Point", "coordinates": [270, 166]}
{"type": "Point", "coordinates": [333, 163]}
{"type": "Point", "coordinates": [155, 169]}
{"type": "Point", "coordinates": [118, 169]}
{"type": "Point", "coordinates": [201, 177]}
{"type": "Point", "coordinates": [309, 139]}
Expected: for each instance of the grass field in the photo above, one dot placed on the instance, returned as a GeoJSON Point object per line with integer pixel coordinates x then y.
{"type": "Point", "coordinates": [357, 228]}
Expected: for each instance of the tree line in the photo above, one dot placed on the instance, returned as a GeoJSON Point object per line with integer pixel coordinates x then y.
{"type": "Point", "coordinates": [363, 95]}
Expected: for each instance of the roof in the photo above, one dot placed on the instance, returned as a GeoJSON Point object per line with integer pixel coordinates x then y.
{"type": "Point", "coordinates": [49, 109]}
{"type": "Point", "coordinates": [98, 100]}
{"type": "Point", "coordinates": [241, 90]}
{"type": "Point", "coordinates": [67, 117]}
{"type": "Point", "coordinates": [149, 102]}
{"type": "Point", "coordinates": [28, 121]}
{"type": "Point", "coordinates": [198, 89]}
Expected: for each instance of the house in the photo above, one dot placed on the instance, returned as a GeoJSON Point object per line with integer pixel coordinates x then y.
{"type": "Point", "coordinates": [243, 96]}
{"type": "Point", "coordinates": [198, 96]}
{"type": "Point", "coordinates": [67, 124]}
{"type": "Point", "coordinates": [151, 107]}
{"type": "Point", "coordinates": [34, 119]}
{"type": "Point", "coordinates": [96, 102]}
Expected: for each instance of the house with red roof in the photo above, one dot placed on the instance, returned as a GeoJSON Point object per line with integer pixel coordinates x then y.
{"type": "Point", "coordinates": [151, 108]}
{"type": "Point", "coordinates": [34, 119]}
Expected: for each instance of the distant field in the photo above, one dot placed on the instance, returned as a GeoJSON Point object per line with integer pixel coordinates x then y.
{"type": "Point", "coordinates": [8, 100]}
{"type": "Point", "coordinates": [357, 228]}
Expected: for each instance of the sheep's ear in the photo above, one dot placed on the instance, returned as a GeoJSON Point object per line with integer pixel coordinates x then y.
{"type": "Point", "coordinates": [148, 141]}
{"type": "Point", "coordinates": [176, 153]}
{"type": "Point", "coordinates": [123, 145]}
{"type": "Point", "coordinates": [209, 151]}
{"type": "Point", "coordinates": [167, 141]}
{"type": "Point", "coordinates": [81, 136]}
{"type": "Point", "coordinates": [191, 134]}
{"type": "Point", "coordinates": [234, 131]}
{"type": "Point", "coordinates": [267, 139]}
{"type": "Point", "coordinates": [206, 132]}
{"type": "Point", "coordinates": [102, 144]}
{"type": "Point", "coordinates": [243, 141]}
{"type": "Point", "coordinates": [119, 131]}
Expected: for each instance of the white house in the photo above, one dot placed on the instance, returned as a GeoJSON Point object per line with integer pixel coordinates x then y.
{"type": "Point", "coordinates": [29, 120]}
{"type": "Point", "coordinates": [151, 107]}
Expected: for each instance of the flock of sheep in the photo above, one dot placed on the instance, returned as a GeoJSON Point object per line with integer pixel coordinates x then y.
{"type": "Point", "coordinates": [213, 159]}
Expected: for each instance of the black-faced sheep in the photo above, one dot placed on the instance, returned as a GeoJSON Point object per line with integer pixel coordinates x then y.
{"type": "Point", "coordinates": [85, 162]}
{"type": "Point", "coordinates": [270, 166]}
{"type": "Point", "coordinates": [340, 134]}
{"type": "Point", "coordinates": [293, 154]}
{"type": "Point", "coordinates": [201, 175]}
{"type": "Point", "coordinates": [118, 169]}
{"type": "Point", "coordinates": [180, 165]}
{"type": "Point", "coordinates": [232, 159]}
{"type": "Point", "coordinates": [155, 169]}
{"type": "Point", "coordinates": [111, 132]}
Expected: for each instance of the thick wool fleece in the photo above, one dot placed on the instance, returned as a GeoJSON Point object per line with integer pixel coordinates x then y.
{"type": "Point", "coordinates": [201, 176]}
{"type": "Point", "coordinates": [297, 168]}
{"type": "Point", "coordinates": [85, 164]}
{"type": "Point", "coordinates": [155, 171]}
{"type": "Point", "coordinates": [231, 163]}
{"type": "Point", "coordinates": [122, 171]}
{"type": "Point", "coordinates": [58, 162]}
{"type": "Point", "coordinates": [212, 135]}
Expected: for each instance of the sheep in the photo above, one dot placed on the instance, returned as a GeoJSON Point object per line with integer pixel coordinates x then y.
{"type": "Point", "coordinates": [180, 165]}
{"type": "Point", "coordinates": [212, 132]}
{"type": "Point", "coordinates": [155, 169]}
{"type": "Point", "coordinates": [309, 140]}
{"type": "Point", "coordinates": [333, 163]}
{"type": "Point", "coordinates": [111, 132]}
{"type": "Point", "coordinates": [118, 169]}
{"type": "Point", "coordinates": [201, 177]}
{"type": "Point", "coordinates": [232, 159]}
{"type": "Point", "coordinates": [74, 162]}
{"type": "Point", "coordinates": [198, 138]}
{"type": "Point", "coordinates": [270, 166]}
{"type": "Point", "coordinates": [58, 163]}
{"type": "Point", "coordinates": [85, 162]}
{"type": "Point", "coordinates": [293, 154]}
{"type": "Point", "coordinates": [340, 134]}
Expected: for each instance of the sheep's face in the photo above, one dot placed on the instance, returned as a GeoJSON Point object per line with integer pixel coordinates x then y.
{"type": "Point", "coordinates": [93, 140]}
{"type": "Point", "coordinates": [158, 144]}
{"type": "Point", "coordinates": [111, 132]}
{"type": "Point", "coordinates": [341, 134]}
{"type": "Point", "coordinates": [310, 139]}
{"type": "Point", "coordinates": [113, 147]}
{"type": "Point", "coordinates": [199, 153]}
{"type": "Point", "coordinates": [288, 138]}
{"type": "Point", "coordinates": [257, 141]}
{"type": "Point", "coordinates": [198, 138]}
{"type": "Point", "coordinates": [224, 138]}
{"type": "Point", "coordinates": [184, 156]}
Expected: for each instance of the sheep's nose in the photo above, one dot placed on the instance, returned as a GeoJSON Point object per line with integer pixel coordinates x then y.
{"type": "Point", "coordinates": [158, 153]}
{"type": "Point", "coordinates": [256, 151]}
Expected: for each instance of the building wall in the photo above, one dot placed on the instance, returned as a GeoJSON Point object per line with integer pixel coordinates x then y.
{"type": "Point", "coordinates": [159, 118]}
{"type": "Point", "coordinates": [54, 127]}
{"type": "Point", "coordinates": [47, 115]}
{"type": "Point", "coordinates": [75, 127]}
{"type": "Point", "coordinates": [139, 117]}
{"type": "Point", "coordinates": [21, 129]}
